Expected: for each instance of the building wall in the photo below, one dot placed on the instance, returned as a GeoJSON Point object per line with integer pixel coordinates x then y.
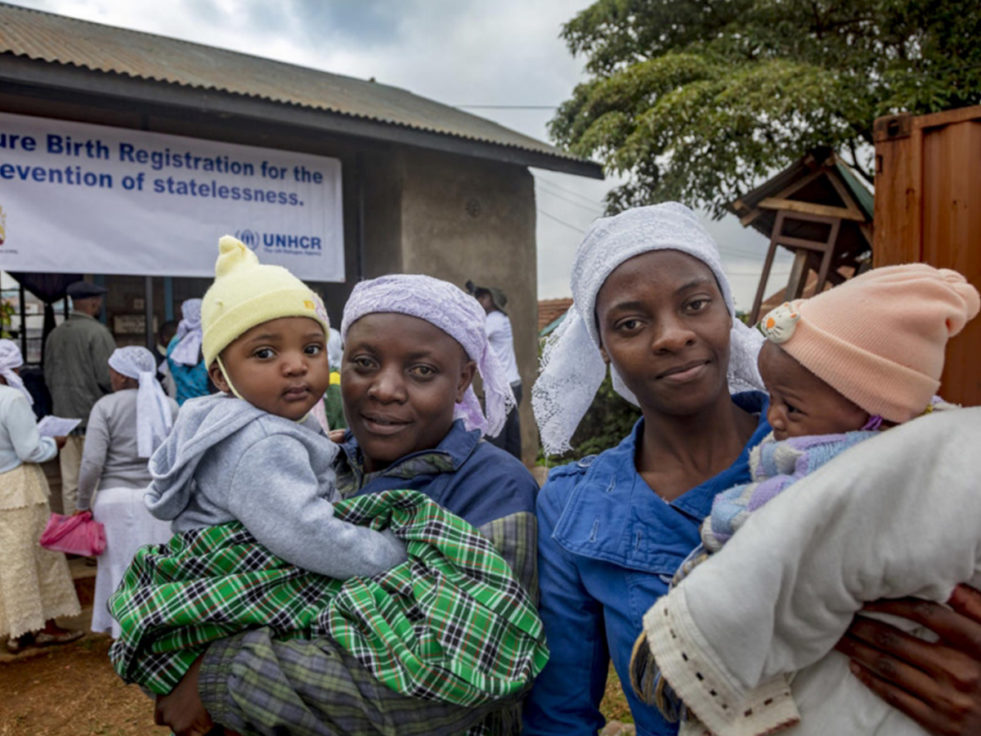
{"type": "Point", "coordinates": [467, 219]}
{"type": "Point", "coordinates": [405, 210]}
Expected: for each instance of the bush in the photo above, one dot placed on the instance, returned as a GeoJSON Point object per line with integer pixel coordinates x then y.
{"type": "Point", "coordinates": [607, 421]}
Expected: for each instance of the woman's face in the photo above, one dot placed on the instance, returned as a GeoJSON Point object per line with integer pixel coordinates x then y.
{"type": "Point", "coordinates": [119, 382]}
{"type": "Point", "coordinates": [664, 326]}
{"type": "Point", "coordinates": [401, 378]}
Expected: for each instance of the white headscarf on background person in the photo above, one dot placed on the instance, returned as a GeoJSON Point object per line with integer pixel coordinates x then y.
{"type": "Point", "coordinates": [335, 349]}
{"type": "Point", "coordinates": [187, 351]}
{"type": "Point", "coordinates": [153, 417]}
{"type": "Point", "coordinates": [572, 367]}
{"type": "Point", "coordinates": [456, 313]}
{"type": "Point", "coordinates": [11, 358]}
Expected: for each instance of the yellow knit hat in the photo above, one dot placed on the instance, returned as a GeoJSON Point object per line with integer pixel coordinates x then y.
{"type": "Point", "coordinates": [246, 293]}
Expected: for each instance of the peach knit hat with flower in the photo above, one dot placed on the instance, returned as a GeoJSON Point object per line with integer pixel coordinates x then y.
{"type": "Point", "coordinates": [879, 338]}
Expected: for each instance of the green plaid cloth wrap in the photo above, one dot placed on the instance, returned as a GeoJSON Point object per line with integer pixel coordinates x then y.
{"type": "Point", "coordinates": [451, 623]}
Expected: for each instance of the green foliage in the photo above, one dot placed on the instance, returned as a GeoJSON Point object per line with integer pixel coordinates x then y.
{"type": "Point", "coordinates": [608, 420]}
{"type": "Point", "coordinates": [6, 312]}
{"type": "Point", "coordinates": [699, 100]}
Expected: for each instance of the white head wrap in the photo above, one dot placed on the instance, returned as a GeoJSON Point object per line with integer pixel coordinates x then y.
{"type": "Point", "coordinates": [572, 367]}
{"type": "Point", "coordinates": [457, 314]}
{"type": "Point", "coordinates": [335, 349]}
{"type": "Point", "coordinates": [187, 351]}
{"type": "Point", "coordinates": [153, 419]}
{"type": "Point", "coordinates": [11, 358]}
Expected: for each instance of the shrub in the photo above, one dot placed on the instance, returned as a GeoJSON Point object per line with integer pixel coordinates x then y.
{"type": "Point", "coordinates": [607, 421]}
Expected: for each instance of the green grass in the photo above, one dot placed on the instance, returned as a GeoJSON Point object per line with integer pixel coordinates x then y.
{"type": "Point", "coordinates": [614, 705]}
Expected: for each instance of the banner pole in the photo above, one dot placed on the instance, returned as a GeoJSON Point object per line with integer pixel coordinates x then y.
{"type": "Point", "coordinates": [22, 305]}
{"type": "Point", "coordinates": [151, 339]}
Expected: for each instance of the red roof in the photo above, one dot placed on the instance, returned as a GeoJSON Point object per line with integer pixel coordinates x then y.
{"type": "Point", "coordinates": [550, 310]}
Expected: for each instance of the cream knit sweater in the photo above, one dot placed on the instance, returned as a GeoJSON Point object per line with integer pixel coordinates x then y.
{"type": "Point", "coordinates": [746, 640]}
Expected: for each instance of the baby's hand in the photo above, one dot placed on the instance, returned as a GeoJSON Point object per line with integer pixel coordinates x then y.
{"type": "Point", "coordinates": [336, 435]}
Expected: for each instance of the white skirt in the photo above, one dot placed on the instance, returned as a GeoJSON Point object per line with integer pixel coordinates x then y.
{"type": "Point", "coordinates": [129, 526]}
{"type": "Point", "coordinates": [35, 583]}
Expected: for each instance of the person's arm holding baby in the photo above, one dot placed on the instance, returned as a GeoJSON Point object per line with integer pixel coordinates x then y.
{"type": "Point", "coordinates": [298, 524]}
{"type": "Point", "coordinates": [937, 684]}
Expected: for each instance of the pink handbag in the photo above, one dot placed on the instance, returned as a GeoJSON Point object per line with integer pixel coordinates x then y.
{"type": "Point", "coordinates": [79, 534]}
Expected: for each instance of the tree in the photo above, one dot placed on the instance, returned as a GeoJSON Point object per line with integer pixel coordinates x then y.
{"type": "Point", "coordinates": [700, 100]}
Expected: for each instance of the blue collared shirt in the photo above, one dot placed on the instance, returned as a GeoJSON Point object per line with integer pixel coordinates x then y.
{"type": "Point", "coordinates": [463, 474]}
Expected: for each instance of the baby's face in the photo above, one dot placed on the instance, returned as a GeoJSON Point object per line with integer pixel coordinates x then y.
{"type": "Point", "coordinates": [800, 402]}
{"type": "Point", "coordinates": [279, 366]}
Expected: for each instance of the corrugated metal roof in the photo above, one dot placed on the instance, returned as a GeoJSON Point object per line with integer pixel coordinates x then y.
{"type": "Point", "coordinates": [68, 41]}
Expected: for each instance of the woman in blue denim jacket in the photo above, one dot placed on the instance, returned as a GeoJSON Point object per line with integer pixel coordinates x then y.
{"type": "Point", "coordinates": [613, 528]}
{"type": "Point", "coordinates": [653, 304]}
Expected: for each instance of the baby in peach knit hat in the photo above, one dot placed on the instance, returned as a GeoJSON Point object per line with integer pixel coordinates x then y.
{"type": "Point", "coordinates": [867, 352]}
{"type": "Point", "coordinates": [839, 367]}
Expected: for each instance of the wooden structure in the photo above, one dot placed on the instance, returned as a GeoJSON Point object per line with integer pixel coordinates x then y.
{"type": "Point", "coordinates": [817, 209]}
{"type": "Point", "coordinates": [928, 209]}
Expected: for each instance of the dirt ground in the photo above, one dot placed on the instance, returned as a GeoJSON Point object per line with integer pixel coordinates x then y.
{"type": "Point", "coordinates": [71, 690]}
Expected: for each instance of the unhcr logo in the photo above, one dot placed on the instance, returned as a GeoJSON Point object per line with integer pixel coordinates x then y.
{"type": "Point", "coordinates": [281, 242]}
{"type": "Point", "coordinates": [249, 238]}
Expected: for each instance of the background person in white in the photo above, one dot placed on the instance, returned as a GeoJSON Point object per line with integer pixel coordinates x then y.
{"type": "Point", "coordinates": [498, 328]}
{"type": "Point", "coordinates": [123, 430]}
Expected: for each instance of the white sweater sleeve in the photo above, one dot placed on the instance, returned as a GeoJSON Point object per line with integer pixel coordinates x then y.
{"type": "Point", "coordinates": [896, 515]}
{"type": "Point", "coordinates": [29, 445]}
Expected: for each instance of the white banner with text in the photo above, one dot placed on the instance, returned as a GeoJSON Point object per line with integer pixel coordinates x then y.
{"type": "Point", "coordinates": [80, 198]}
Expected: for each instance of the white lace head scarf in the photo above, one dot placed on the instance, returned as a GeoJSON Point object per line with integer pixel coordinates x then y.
{"type": "Point", "coordinates": [457, 314]}
{"type": "Point", "coordinates": [572, 367]}
{"type": "Point", "coordinates": [187, 351]}
{"type": "Point", "coordinates": [153, 418]}
{"type": "Point", "coordinates": [335, 349]}
{"type": "Point", "coordinates": [11, 358]}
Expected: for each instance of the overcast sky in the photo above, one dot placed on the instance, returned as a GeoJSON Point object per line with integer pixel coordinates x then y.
{"type": "Point", "coordinates": [504, 56]}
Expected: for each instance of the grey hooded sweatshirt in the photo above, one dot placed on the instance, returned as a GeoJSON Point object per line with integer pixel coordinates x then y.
{"type": "Point", "coordinates": [225, 460]}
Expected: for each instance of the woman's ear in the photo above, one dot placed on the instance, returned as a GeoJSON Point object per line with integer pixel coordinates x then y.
{"type": "Point", "coordinates": [217, 377]}
{"type": "Point", "coordinates": [606, 357]}
{"type": "Point", "coordinates": [467, 371]}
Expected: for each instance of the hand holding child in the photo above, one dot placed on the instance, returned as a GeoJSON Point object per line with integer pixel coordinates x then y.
{"type": "Point", "coordinates": [936, 684]}
{"type": "Point", "coordinates": [182, 709]}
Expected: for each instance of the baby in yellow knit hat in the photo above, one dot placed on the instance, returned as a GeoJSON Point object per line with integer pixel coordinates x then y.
{"type": "Point", "coordinates": [839, 368]}
{"type": "Point", "coordinates": [252, 453]}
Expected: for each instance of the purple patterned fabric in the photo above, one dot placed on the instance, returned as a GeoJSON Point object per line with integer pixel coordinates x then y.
{"type": "Point", "coordinates": [457, 314]}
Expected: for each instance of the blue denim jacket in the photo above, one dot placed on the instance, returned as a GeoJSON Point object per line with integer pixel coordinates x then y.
{"type": "Point", "coordinates": [464, 474]}
{"type": "Point", "coordinates": [607, 548]}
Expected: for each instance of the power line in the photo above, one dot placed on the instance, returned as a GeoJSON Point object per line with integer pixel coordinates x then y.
{"type": "Point", "coordinates": [596, 208]}
{"type": "Point", "coordinates": [548, 182]}
{"type": "Point", "coordinates": [509, 107]}
{"type": "Point", "coordinates": [583, 199]}
{"type": "Point", "coordinates": [560, 221]}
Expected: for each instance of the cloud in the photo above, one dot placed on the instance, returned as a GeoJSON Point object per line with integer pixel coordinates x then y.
{"type": "Point", "coordinates": [506, 52]}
